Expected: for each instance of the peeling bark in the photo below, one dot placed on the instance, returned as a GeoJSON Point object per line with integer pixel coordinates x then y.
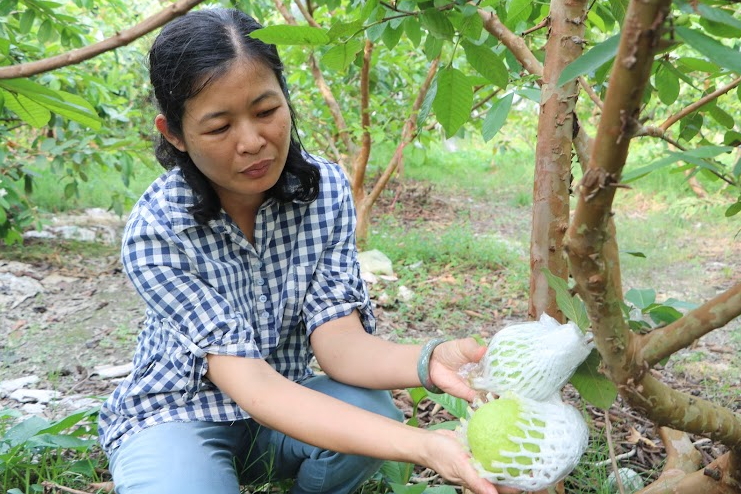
{"type": "Point", "coordinates": [550, 215]}
{"type": "Point", "coordinates": [591, 267]}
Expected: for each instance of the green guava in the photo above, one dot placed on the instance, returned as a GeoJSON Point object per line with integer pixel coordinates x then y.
{"type": "Point", "coordinates": [489, 434]}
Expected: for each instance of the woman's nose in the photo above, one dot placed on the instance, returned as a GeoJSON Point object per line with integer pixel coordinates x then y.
{"type": "Point", "coordinates": [250, 139]}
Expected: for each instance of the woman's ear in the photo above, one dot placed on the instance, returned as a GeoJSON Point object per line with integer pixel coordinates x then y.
{"type": "Point", "coordinates": [161, 123]}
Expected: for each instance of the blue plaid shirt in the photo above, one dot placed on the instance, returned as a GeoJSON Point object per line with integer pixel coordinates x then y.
{"type": "Point", "coordinates": [210, 291]}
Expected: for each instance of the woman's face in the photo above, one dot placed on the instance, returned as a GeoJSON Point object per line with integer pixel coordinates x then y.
{"type": "Point", "coordinates": [237, 131]}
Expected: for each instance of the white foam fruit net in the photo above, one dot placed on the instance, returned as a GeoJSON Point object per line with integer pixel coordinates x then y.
{"type": "Point", "coordinates": [534, 359]}
{"type": "Point", "coordinates": [550, 439]}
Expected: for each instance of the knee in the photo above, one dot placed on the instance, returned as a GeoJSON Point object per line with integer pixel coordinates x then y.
{"type": "Point", "coordinates": [374, 400]}
{"type": "Point", "coordinates": [382, 403]}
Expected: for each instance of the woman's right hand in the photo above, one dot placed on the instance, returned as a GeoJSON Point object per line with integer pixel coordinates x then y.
{"type": "Point", "coordinates": [448, 457]}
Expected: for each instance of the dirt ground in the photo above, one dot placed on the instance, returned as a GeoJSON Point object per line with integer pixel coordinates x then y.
{"type": "Point", "coordinates": [68, 315]}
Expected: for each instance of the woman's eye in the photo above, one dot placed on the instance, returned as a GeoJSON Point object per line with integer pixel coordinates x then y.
{"type": "Point", "coordinates": [267, 113]}
{"type": "Point", "coordinates": [219, 130]}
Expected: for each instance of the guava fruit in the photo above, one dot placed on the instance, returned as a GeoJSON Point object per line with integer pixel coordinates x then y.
{"type": "Point", "coordinates": [496, 436]}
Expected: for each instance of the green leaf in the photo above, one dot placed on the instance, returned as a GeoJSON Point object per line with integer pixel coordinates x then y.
{"type": "Point", "coordinates": [26, 21]}
{"type": "Point", "coordinates": [397, 471]}
{"type": "Point", "coordinates": [291, 35]}
{"type": "Point", "coordinates": [424, 109]}
{"type": "Point", "coordinates": [591, 60]}
{"type": "Point", "coordinates": [733, 209]}
{"type": "Point", "coordinates": [641, 298]}
{"type": "Point", "coordinates": [413, 30]}
{"type": "Point", "coordinates": [28, 110]}
{"type": "Point", "coordinates": [719, 15]}
{"type": "Point", "coordinates": [417, 394]}
{"type": "Point", "coordinates": [339, 57]}
{"type": "Point", "coordinates": [487, 63]}
{"type": "Point", "coordinates": [690, 126]}
{"type": "Point", "coordinates": [448, 425]}
{"type": "Point", "coordinates": [472, 25]}
{"type": "Point", "coordinates": [518, 11]}
{"type": "Point", "coordinates": [368, 7]}
{"type": "Point", "coordinates": [496, 117]}
{"type": "Point", "coordinates": [46, 31]}
{"type": "Point", "coordinates": [408, 489]}
{"type": "Point", "coordinates": [457, 407]}
{"type": "Point", "coordinates": [67, 105]}
{"type": "Point", "coordinates": [721, 116]}
{"type": "Point", "coordinates": [712, 49]}
{"type": "Point", "coordinates": [437, 24]}
{"type": "Point", "coordinates": [20, 433]}
{"type": "Point", "coordinates": [341, 29]}
{"type": "Point", "coordinates": [667, 84]}
{"type": "Point", "coordinates": [391, 37]}
{"type": "Point", "coordinates": [432, 47]}
{"type": "Point", "coordinates": [693, 64]}
{"type": "Point", "coordinates": [680, 304]}
{"type": "Point", "coordinates": [618, 9]}
{"type": "Point", "coordinates": [571, 305]}
{"type": "Point", "coordinates": [453, 100]}
{"type": "Point", "coordinates": [635, 254]}
{"type": "Point", "coordinates": [663, 314]}
{"type": "Point", "coordinates": [592, 385]}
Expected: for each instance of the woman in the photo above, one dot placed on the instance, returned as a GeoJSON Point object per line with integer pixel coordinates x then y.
{"type": "Point", "coordinates": [244, 254]}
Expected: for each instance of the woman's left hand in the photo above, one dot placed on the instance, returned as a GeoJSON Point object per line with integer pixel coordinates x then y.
{"type": "Point", "coordinates": [446, 362]}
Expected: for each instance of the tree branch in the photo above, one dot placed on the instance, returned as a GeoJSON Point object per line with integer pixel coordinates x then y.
{"type": "Point", "coordinates": [120, 39]}
{"type": "Point", "coordinates": [698, 104]}
{"type": "Point", "coordinates": [360, 162]}
{"type": "Point", "coordinates": [671, 408]}
{"type": "Point", "coordinates": [713, 314]}
{"type": "Point", "coordinates": [514, 43]}
{"type": "Point", "coordinates": [407, 135]}
{"type": "Point", "coordinates": [588, 233]}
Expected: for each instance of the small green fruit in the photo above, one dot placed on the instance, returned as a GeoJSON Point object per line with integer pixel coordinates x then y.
{"type": "Point", "coordinates": [490, 431]}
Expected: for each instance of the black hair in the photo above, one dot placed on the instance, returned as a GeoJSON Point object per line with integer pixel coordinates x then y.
{"type": "Point", "coordinates": [188, 54]}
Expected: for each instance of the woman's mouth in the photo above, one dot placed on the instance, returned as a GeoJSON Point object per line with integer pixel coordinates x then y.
{"type": "Point", "coordinates": [257, 170]}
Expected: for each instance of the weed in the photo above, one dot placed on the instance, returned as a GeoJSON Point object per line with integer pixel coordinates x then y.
{"type": "Point", "coordinates": [34, 450]}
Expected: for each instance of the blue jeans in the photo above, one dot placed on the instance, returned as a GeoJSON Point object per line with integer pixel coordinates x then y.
{"type": "Point", "coordinates": [215, 458]}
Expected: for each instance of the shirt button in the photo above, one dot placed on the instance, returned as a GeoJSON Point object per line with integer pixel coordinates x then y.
{"type": "Point", "coordinates": [263, 299]}
{"type": "Point", "coordinates": [265, 315]}
{"type": "Point", "coordinates": [261, 281]}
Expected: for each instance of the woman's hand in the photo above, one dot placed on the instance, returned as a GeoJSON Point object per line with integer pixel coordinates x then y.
{"type": "Point", "coordinates": [449, 459]}
{"type": "Point", "coordinates": [446, 362]}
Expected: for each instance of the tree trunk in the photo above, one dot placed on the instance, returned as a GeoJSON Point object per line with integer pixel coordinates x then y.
{"type": "Point", "coordinates": [553, 155]}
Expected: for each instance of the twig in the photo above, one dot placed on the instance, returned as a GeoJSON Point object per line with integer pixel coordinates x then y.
{"type": "Point", "coordinates": [699, 103]}
{"type": "Point", "coordinates": [590, 92]}
{"type": "Point", "coordinates": [623, 456]}
{"type": "Point", "coordinates": [544, 23]}
{"type": "Point", "coordinates": [611, 450]}
{"type": "Point", "coordinates": [52, 485]}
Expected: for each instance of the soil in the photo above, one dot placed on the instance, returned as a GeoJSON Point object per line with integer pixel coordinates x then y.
{"type": "Point", "coordinates": [78, 313]}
